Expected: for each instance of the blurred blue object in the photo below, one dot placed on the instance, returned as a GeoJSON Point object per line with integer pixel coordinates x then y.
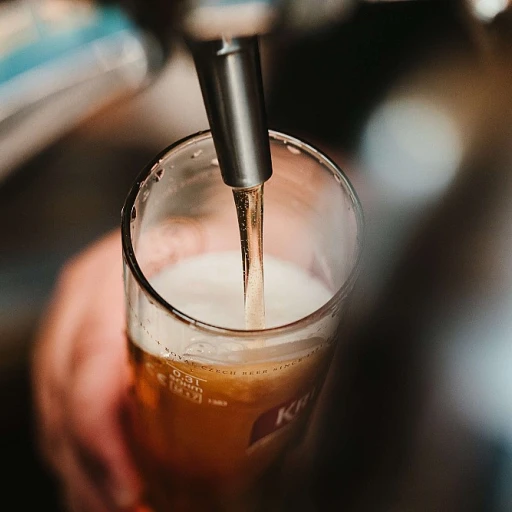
{"type": "Point", "coordinates": [61, 60]}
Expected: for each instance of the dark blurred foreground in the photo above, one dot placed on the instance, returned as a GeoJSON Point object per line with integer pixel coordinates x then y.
{"type": "Point", "coordinates": [415, 104]}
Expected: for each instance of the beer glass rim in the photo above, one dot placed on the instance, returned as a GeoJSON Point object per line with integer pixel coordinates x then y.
{"type": "Point", "coordinates": [130, 258]}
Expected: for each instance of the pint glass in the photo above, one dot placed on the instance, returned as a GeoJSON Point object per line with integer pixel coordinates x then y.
{"type": "Point", "coordinates": [217, 408]}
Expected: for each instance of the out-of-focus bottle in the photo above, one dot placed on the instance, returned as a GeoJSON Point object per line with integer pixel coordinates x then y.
{"type": "Point", "coordinates": [61, 61]}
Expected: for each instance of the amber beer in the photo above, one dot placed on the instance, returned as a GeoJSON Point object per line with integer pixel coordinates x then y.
{"type": "Point", "coordinates": [207, 430]}
{"type": "Point", "coordinates": [206, 434]}
{"type": "Point", "coordinates": [219, 402]}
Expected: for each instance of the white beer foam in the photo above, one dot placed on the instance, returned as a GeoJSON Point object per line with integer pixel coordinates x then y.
{"type": "Point", "coordinates": [209, 288]}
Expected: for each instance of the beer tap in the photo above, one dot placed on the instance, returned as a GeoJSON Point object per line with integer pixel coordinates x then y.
{"type": "Point", "coordinates": [223, 36]}
{"type": "Point", "coordinates": [229, 74]}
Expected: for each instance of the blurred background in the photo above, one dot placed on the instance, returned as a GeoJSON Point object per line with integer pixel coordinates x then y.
{"type": "Point", "coordinates": [413, 99]}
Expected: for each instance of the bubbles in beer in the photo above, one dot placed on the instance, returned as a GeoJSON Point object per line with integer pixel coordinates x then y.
{"type": "Point", "coordinates": [200, 349]}
{"type": "Point", "coordinates": [208, 287]}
